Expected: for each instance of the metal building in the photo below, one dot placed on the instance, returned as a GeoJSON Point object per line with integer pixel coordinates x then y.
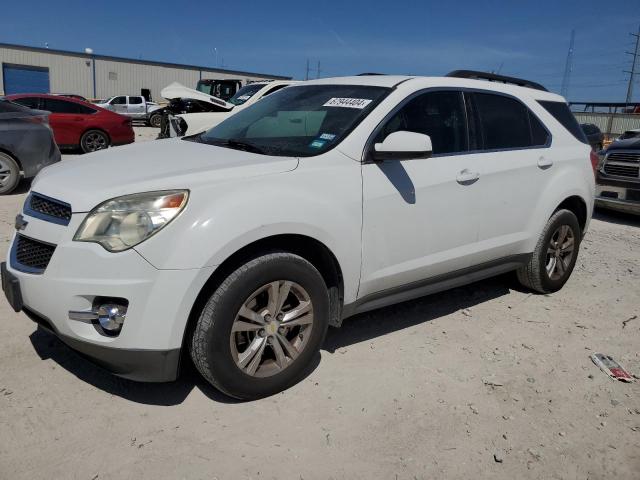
{"type": "Point", "coordinates": [42, 70]}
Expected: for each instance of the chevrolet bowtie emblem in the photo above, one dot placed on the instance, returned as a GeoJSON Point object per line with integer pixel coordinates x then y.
{"type": "Point", "coordinates": [21, 223]}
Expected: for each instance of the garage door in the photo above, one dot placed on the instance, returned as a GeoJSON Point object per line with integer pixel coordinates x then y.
{"type": "Point", "coordinates": [25, 79]}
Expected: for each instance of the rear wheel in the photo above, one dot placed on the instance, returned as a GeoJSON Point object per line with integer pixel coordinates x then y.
{"type": "Point", "coordinates": [9, 174]}
{"type": "Point", "coordinates": [93, 140]}
{"type": "Point", "coordinates": [261, 328]}
{"type": "Point", "coordinates": [155, 120]}
{"type": "Point", "coordinates": [555, 255]}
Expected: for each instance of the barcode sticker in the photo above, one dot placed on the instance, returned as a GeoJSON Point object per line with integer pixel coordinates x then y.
{"type": "Point", "coordinates": [358, 103]}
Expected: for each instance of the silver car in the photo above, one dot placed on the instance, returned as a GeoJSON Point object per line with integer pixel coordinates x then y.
{"type": "Point", "coordinates": [26, 144]}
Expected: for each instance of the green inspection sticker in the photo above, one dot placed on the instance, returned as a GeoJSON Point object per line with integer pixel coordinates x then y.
{"type": "Point", "coordinates": [317, 144]}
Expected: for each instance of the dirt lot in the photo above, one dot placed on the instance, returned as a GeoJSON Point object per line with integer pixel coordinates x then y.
{"type": "Point", "coordinates": [433, 388]}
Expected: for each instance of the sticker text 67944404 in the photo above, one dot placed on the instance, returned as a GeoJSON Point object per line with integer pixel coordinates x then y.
{"type": "Point", "coordinates": [358, 103]}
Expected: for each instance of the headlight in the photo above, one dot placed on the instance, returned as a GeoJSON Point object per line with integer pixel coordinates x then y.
{"type": "Point", "coordinates": [123, 222]}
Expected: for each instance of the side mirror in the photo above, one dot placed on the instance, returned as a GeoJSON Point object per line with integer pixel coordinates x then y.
{"type": "Point", "coordinates": [403, 146]}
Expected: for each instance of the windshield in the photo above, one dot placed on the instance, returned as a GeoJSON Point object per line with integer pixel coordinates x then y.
{"type": "Point", "coordinates": [297, 121]}
{"type": "Point", "coordinates": [245, 93]}
{"type": "Point", "coordinates": [205, 87]}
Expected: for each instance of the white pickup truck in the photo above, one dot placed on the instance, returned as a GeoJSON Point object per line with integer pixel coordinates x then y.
{"type": "Point", "coordinates": [136, 107]}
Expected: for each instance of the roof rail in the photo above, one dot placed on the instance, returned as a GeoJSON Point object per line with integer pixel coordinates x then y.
{"type": "Point", "coordinates": [369, 73]}
{"type": "Point", "coordinates": [492, 77]}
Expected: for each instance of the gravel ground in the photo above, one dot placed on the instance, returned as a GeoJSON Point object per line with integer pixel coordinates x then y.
{"type": "Point", "coordinates": [485, 381]}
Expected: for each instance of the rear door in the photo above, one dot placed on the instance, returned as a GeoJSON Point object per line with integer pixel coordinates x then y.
{"type": "Point", "coordinates": [420, 216]}
{"type": "Point", "coordinates": [136, 107]}
{"type": "Point", "coordinates": [511, 154]}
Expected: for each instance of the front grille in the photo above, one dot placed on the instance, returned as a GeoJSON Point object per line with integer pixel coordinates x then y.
{"type": "Point", "coordinates": [49, 209]}
{"type": "Point", "coordinates": [623, 164]}
{"type": "Point", "coordinates": [632, 157]}
{"type": "Point", "coordinates": [31, 255]}
{"type": "Point", "coordinates": [621, 170]}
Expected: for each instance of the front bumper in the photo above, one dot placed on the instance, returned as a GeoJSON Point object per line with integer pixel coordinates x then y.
{"type": "Point", "coordinates": [620, 197]}
{"type": "Point", "coordinates": [160, 301]}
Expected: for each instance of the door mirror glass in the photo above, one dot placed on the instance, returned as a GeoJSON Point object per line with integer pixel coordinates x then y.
{"type": "Point", "coordinates": [403, 145]}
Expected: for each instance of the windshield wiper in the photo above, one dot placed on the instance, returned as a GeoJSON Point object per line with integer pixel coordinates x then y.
{"type": "Point", "coordinates": [239, 145]}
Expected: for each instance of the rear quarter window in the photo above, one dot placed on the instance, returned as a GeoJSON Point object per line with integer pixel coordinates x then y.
{"type": "Point", "coordinates": [562, 114]}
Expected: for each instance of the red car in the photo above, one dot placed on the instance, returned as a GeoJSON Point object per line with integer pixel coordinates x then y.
{"type": "Point", "coordinates": [79, 124]}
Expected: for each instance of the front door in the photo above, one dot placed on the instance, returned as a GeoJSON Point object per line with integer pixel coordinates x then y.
{"type": "Point", "coordinates": [119, 105]}
{"type": "Point", "coordinates": [420, 217]}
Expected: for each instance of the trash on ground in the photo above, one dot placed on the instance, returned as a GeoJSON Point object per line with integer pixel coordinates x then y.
{"type": "Point", "coordinates": [624, 322]}
{"type": "Point", "coordinates": [612, 368]}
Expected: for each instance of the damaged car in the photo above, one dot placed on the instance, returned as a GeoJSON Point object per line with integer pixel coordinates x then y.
{"type": "Point", "coordinates": [193, 122]}
{"type": "Point", "coordinates": [184, 100]}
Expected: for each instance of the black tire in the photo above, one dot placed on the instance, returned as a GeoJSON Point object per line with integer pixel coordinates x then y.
{"type": "Point", "coordinates": [210, 344]}
{"type": "Point", "coordinates": [9, 173]}
{"type": "Point", "coordinates": [155, 120]}
{"type": "Point", "coordinates": [94, 140]}
{"type": "Point", "coordinates": [534, 275]}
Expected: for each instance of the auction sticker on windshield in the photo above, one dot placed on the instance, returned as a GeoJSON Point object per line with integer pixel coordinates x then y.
{"type": "Point", "coordinates": [358, 103]}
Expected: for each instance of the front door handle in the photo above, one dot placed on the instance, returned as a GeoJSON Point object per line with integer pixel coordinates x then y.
{"type": "Point", "coordinates": [544, 163]}
{"type": "Point", "coordinates": [467, 177]}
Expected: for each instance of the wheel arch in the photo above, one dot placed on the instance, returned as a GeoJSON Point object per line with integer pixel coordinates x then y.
{"type": "Point", "coordinates": [578, 206]}
{"type": "Point", "coordinates": [309, 248]}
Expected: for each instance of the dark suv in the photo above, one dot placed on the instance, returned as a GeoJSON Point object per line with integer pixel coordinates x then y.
{"type": "Point", "coordinates": [618, 176]}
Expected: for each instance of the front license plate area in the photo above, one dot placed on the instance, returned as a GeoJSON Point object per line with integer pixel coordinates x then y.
{"type": "Point", "coordinates": [11, 288]}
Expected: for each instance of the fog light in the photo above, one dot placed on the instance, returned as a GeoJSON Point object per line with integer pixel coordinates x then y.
{"type": "Point", "coordinates": [111, 316]}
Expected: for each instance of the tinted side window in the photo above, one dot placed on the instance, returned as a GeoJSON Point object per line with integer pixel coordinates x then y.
{"type": "Point", "coordinates": [561, 112]}
{"type": "Point", "coordinates": [119, 101]}
{"type": "Point", "coordinates": [437, 114]}
{"type": "Point", "coordinates": [30, 102]}
{"type": "Point", "coordinates": [60, 106]}
{"type": "Point", "coordinates": [539, 134]}
{"type": "Point", "coordinates": [135, 100]}
{"type": "Point", "coordinates": [504, 122]}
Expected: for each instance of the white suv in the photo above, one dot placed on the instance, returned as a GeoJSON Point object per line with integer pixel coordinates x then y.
{"type": "Point", "coordinates": [241, 245]}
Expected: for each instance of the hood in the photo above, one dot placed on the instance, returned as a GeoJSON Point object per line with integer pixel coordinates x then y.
{"type": "Point", "coordinates": [88, 180]}
{"type": "Point", "coordinates": [629, 143]}
{"type": "Point", "coordinates": [177, 90]}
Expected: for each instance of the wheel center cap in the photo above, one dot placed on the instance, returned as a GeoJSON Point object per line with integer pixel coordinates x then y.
{"type": "Point", "coordinates": [272, 328]}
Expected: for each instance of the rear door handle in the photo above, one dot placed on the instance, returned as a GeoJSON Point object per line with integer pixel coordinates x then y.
{"type": "Point", "coordinates": [544, 163]}
{"type": "Point", "coordinates": [467, 177]}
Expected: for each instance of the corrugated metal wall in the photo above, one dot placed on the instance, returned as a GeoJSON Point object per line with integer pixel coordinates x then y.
{"type": "Point", "coordinates": [70, 73]}
{"type": "Point", "coordinates": [609, 123]}
{"type": "Point", "coordinates": [67, 74]}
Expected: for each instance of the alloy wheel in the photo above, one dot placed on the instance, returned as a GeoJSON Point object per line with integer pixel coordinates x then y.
{"type": "Point", "coordinates": [5, 172]}
{"type": "Point", "coordinates": [271, 328]}
{"type": "Point", "coordinates": [95, 141]}
{"type": "Point", "coordinates": [560, 252]}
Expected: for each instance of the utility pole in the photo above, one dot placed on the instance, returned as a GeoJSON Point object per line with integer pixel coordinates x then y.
{"type": "Point", "coordinates": [318, 70]}
{"type": "Point", "coordinates": [568, 66]}
{"type": "Point", "coordinates": [633, 73]}
{"type": "Point", "coordinates": [306, 77]}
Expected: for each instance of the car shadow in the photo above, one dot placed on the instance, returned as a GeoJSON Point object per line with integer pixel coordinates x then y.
{"type": "Point", "coordinates": [619, 218]}
{"type": "Point", "coordinates": [357, 329]}
{"type": "Point", "coordinates": [377, 323]}
{"type": "Point", "coordinates": [50, 347]}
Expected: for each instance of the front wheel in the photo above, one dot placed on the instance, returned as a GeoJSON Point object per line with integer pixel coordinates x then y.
{"type": "Point", "coordinates": [9, 174]}
{"type": "Point", "coordinates": [261, 328]}
{"type": "Point", "coordinates": [555, 255]}
{"type": "Point", "coordinates": [94, 140]}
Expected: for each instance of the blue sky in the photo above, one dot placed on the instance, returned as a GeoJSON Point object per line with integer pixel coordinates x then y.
{"type": "Point", "coordinates": [524, 38]}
